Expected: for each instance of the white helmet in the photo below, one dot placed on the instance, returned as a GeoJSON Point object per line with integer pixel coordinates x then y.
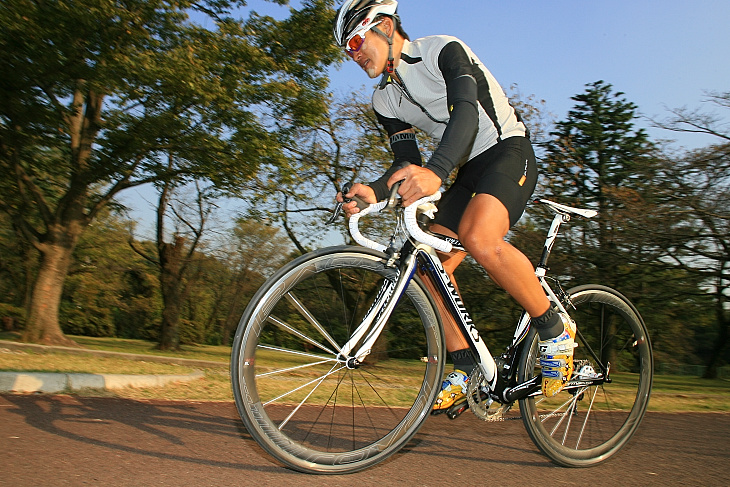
{"type": "Point", "coordinates": [357, 15]}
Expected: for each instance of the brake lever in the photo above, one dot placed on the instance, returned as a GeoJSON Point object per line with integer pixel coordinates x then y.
{"type": "Point", "coordinates": [361, 204]}
{"type": "Point", "coordinates": [335, 213]}
{"type": "Point", "coordinates": [393, 198]}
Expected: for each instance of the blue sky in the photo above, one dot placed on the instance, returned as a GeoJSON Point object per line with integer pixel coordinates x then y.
{"type": "Point", "coordinates": [661, 54]}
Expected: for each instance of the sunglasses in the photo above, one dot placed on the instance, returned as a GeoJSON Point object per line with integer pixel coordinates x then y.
{"type": "Point", "coordinates": [354, 43]}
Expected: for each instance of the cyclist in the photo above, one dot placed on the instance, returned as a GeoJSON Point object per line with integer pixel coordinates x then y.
{"type": "Point", "coordinates": [438, 85]}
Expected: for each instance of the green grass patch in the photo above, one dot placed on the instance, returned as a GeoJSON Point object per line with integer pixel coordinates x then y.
{"type": "Point", "coordinates": [673, 393]}
{"type": "Point", "coordinates": [23, 361]}
{"type": "Point", "coordinates": [195, 352]}
{"type": "Point", "coordinates": [669, 394]}
{"type": "Point", "coordinates": [214, 386]}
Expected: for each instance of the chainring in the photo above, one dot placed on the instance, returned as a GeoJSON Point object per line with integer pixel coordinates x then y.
{"type": "Point", "coordinates": [483, 407]}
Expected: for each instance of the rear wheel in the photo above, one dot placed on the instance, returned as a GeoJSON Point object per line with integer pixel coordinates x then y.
{"type": "Point", "coordinates": [302, 403]}
{"type": "Point", "coordinates": [587, 423]}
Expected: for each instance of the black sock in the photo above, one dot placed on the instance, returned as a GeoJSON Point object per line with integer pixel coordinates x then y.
{"type": "Point", "coordinates": [548, 325]}
{"type": "Point", "coordinates": [463, 360]}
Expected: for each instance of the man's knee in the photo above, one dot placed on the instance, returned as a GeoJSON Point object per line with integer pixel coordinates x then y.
{"type": "Point", "coordinates": [488, 251]}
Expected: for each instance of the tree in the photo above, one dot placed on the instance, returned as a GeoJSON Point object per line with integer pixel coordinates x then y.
{"type": "Point", "coordinates": [174, 255]}
{"type": "Point", "coordinates": [348, 146]}
{"type": "Point", "coordinates": [106, 282]}
{"type": "Point", "coordinates": [695, 191]}
{"type": "Point", "coordinates": [17, 265]}
{"type": "Point", "coordinates": [96, 95]}
{"type": "Point", "coordinates": [598, 159]}
{"type": "Point", "coordinates": [254, 251]}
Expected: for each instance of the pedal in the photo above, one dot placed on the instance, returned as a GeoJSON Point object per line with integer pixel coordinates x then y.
{"type": "Point", "coordinates": [457, 409]}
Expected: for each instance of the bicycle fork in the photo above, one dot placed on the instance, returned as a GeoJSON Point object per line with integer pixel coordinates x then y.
{"type": "Point", "coordinates": [377, 316]}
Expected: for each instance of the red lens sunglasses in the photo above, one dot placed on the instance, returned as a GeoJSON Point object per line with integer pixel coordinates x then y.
{"type": "Point", "coordinates": [354, 43]}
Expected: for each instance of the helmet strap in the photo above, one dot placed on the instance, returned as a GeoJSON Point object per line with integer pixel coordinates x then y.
{"type": "Point", "coordinates": [390, 65]}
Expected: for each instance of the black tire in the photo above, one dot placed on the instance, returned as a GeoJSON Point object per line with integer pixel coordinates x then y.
{"type": "Point", "coordinates": [585, 425]}
{"type": "Point", "coordinates": [305, 408]}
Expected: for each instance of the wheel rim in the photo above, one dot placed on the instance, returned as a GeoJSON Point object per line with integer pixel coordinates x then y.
{"type": "Point", "coordinates": [308, 405]}
{"type": "Point", "coordinates": [589, 423]}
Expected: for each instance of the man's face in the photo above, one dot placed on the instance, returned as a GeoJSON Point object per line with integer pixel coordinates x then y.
{"type": "Point", "coordinates": [372, 55]}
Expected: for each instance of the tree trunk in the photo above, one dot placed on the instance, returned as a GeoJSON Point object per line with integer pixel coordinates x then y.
{"type": "Point", "coordinates": [723, 324]}
{"type": "Point", "coordinates": [64, 224]}
{"type": "Point", "coordinates": [234, 310]}
{"type": "Point", "coordinates": [171, 285]}
{"type": "Point", "coordinates": [42, 325]}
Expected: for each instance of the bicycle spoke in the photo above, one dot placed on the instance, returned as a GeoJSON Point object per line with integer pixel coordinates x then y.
{"type": "Point", "coordinates": [318, 380]}
{"type": "Point", "coordinates": [290, 369]}
{"type": "Point", "coordinates": [382, 400]}
{"type": "Point", "coordinates": [585, 421]}
{"type": "Point", "coordinates": [310, 317]}
{"type": "Point", "coordinates": [568, 414]}
{"type": "Point", "coordinates": [299, 334]}
{"type": "Point", "coordinates": [556, 413]}
{"type": "Point", "coordinates": [611, 336]}
{"type": "Point", "coordinates": [296, 352]}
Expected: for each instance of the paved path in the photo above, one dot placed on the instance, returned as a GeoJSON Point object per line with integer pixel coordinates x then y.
{"type": "Point", "coordinates": [67, 440]}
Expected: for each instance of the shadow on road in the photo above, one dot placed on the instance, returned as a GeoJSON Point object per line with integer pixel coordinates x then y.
{"type": "Point", "coordinates": [69, 440]}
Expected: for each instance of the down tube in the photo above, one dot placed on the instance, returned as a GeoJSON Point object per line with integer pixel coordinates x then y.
{"type": "Point", "coordinates": [450, 297]}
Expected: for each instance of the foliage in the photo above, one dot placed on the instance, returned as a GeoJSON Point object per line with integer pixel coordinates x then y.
{"type": "Point", "coordinates": [110, 291]}
{"type": "Point", "coordinates": [231, 275]}
{"type": "Point", "coordinates": [695, 238]}
{"type": "Point", "coordinates": [98, 94]}
{"type": "Point", "coordinates": [348, 146]}
{"type": "Point", "coordinates": [17, 264]}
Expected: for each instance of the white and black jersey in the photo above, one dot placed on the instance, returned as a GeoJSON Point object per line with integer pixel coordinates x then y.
{"type": "Point", "coordinates": [442, 88]}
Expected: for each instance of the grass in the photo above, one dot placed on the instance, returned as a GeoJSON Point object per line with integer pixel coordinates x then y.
{"type": "Point", "coordinates": [214, 386]}
{"type": "Point", "coordinates": [685, 393]}
{"type": "Point", "coordinates": [12, 360]}
{"type": "Point", "coordinates": [142, 347]}
{"type": "Point", "coordinates": [669, 394]}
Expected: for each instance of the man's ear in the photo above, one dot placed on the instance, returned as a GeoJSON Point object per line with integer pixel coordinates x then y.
{"type": "Point", "coordinates": [388, 26]}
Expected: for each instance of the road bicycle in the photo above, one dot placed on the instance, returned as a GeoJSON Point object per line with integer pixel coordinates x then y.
{"type": "Point", "coordinates": [339, 356]}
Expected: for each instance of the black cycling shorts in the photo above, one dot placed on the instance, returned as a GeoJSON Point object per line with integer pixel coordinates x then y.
{"type": "Point", "coordinates": [507, 171]}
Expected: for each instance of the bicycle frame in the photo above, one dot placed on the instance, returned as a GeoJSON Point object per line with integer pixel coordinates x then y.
{"type": "Point", "coordinates": [414, 253]}
{"type": "Point", "coordinates": [321, 406]}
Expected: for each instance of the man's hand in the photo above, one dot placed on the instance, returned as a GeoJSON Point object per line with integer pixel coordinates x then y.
{"type": "Point", "coordinates": [362, 191]}
{"type": "Point", "coordinates": [418, 182]}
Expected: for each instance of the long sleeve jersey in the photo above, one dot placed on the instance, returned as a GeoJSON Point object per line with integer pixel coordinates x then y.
{"type": "Point", "coordinates": [442, 88]}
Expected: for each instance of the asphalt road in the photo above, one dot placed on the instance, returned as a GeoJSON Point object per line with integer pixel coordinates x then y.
{"type": "Point", "coordinates": [68, 440]}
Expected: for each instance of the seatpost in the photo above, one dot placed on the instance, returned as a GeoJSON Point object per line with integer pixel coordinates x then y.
{"type": "Point", "coordinates": [558, 220]}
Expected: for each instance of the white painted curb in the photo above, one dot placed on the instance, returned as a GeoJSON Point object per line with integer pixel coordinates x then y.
{"type": "Point", "coordinates": [50, 382]}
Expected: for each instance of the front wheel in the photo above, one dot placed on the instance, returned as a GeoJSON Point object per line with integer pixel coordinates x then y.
{"type": "Point", "coordinates": [303, 403]}
{"type": "Point", "coordinates": [590, 420]}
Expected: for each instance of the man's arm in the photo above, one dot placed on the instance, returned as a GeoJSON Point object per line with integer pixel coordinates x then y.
{"type": "Point", "coordinates": [461, 96]}
{"type": "Point", "coordinates": [404, 145]}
